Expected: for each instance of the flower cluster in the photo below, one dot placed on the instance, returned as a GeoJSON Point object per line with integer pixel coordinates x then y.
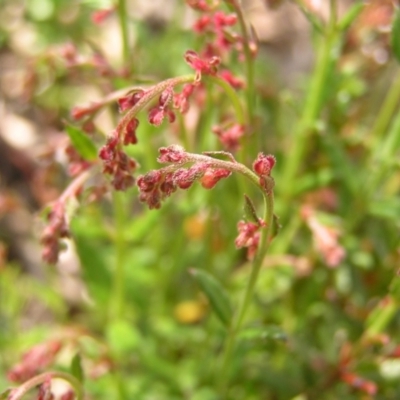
{"type": "Point", "coordinates": [207, 65]}
{"type": "Point", "coordinates": [116, 162]}
{"type": "Point", "coordinates": [157, 185]}
{"type": "Point", "coordinates": [215, 24]}
{"type": "Point", "coordinates": [229, 136]}
{"type": "Point", "coordinates": [56, 229]}
{"type": "Point", "coordinates": [249, 236]}
{"type": "Point", "coordinates": [34, 361]}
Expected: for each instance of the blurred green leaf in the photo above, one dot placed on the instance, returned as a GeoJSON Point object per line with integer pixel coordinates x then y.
{"type": "Point", "coordinates": [6, 394]}
{"type": "Point", "coordinates": [95, 271]}
{"type": "Point", "coordinates": [216, 294]}
{"type": "Point", "coordinates": [396, 34]}
{"type": "Point", "coordinates": [350, 16]}
{"type": "Point", "coordinates": [83, 145]}
{"type": "Point", "coordinates": [381, 316]}
{"type": "Point", "coordinates": [76, 368]}
{"type": "Point", "coordinates": [122, 338]}
{"type": "Point", "coordinates": [385, 208]}
{"type": "Point", "coordinates": [263, 333]}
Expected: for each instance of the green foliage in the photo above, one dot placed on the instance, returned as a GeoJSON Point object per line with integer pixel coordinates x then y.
{"type": "Point", "coordinates": [323, 304]}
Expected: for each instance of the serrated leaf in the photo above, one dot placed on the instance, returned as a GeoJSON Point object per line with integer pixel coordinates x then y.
{"type": "Point", "coordinates": [216, 295]}
{"type": "Point", "coordinates": [76, 368]}
{"type": "Point", "coordinates": [396, 34]}
{"type": "Point", "coordinates": [350, 16]}
{"type": "Point", "coordinates": [83, 145]}
{"type": "Point", "coordinates": [249, 210]}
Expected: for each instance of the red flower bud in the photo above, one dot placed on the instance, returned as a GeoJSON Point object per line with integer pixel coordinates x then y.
{"type": "Point", "coordinates": [212, 176]}
{"type": "Point", "coordinates": [263, 165]}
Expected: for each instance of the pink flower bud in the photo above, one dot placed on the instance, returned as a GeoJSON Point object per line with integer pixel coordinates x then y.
{"type": "Point", "coordinates": [263, 165]}
{"type": "Point", "coordinates": [212, 176]}
{"type": "Point", "coordinates": [172, 154]}
{"type": "Point", "coordinates": [128, 101]}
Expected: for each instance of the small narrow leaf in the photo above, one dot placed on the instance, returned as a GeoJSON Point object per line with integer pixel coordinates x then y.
{"type": "Point", "coordinates": [6, 394]}
{"type": "Point", "coordinates": [83, 145]}
{"type": "Point", "coordinates": [350, 16]}
{"type": "Point", "coordinates": [76, 368]}
{"type": "Point", "coordinates": [312, 18]}
{"type": "Point", "coordinates": [381, 316]}
{"type": "Point", "coordinates": [276, 226]}
{"type": "Point", "coordinates": [249, 210]}
{"type": "Point", "coordinates": [216, 295]}
{"type": "Point", "coordinates": [396, 34]}
{"type": "Point", "coordinates": [263, 334]}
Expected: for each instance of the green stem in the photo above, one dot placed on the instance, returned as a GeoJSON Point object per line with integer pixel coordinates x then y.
{"type": "Point", "coordinates": [123, 23]}
{"type": "Point", "coordinates": [249, 61]}
{"type": "Point", "coordinates": [117, 299]}
{"type": "Point", "coordinates": [19, 392]}
{"type": "Point", "coordinates": [249, 64]}
{"type": "Point", "coordinates": [257, 264]}
{"type": "Point", "coordinates": [312, 108]}
{"type": "Point", "coordinates": [386, 111]}
{"type": "Point", "coordinates": [233, 97]}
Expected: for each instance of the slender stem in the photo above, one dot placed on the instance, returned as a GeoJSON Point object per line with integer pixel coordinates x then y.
{"type": "Point", "coordinates": [386, 111]}
{"type": "Point", "coordinates": [312, 108]}
{"type": "Point", "coordinates": [117, 299]}
{"type": "Point", "coordinates": [19, 392]}
{"type": "Point", "coordinates": [231, 93]}
{"type": "Point", "coordinates": [250, 90]}
{"type": "Point", "coordinates": [249, 64]}
{"type": "Point", "coordinates": [123, 23]}
{"type": "Point", "coordinates": [257, 263]}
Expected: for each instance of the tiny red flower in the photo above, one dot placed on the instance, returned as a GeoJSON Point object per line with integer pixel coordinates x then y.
{"type": "Point", "coordinates": [128, 101]}
{"type": "Point", "coordinates": [181, 100]}
{"type": "Point", "coordinates": [202, 66]}
{"type": "Point", "coordinates": [130, 132]}
{"type": "Point", "coordinates": [212, 176]}
{"type": "Point", "coordinates": [249, 236]}
{"type": "Point", "coordinates": [172, 154]}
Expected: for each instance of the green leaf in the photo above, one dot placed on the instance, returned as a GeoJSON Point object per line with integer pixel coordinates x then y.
{"type": "Point", "coordinates": [93, 256]}
{"type": "Point", "coordinates": [76, 368]}
{"type": "Point", "coordinates": [385, 208]}
{"type": "Point", "coordinates": [216, 295]}
{"type": "Point", "coordinates": [396, 34]}
{"type": "Point", "coordinates": [83, 145]}
{"type": "Point", "coordinates": [250, 211]}
{"type": "Point", "coordinates": [381, 316]}
{"type": "Point", "coordinates": [123, 338]}
{"type": "Point", "coordinates": [6, 394]}
{"type": "Point", "coordinates": [315, 22]}
{"type": "Point", "coordinates": [263, 334]}
{"type": "Point", "coordinates": [350, 16]}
